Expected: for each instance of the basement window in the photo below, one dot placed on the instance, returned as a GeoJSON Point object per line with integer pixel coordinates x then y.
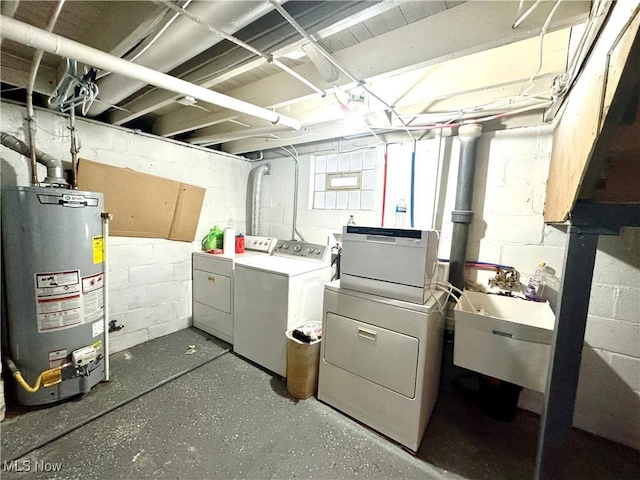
{"type": "Point", "coordinates": [345, 181]}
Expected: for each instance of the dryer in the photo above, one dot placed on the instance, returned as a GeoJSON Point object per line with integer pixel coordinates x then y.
{"type": "Point", "coordinates": [213, 286]}
{"type": "Point", "coordinates": [380, 360]}
{"type": "Point", "coordinates": [275, 294]}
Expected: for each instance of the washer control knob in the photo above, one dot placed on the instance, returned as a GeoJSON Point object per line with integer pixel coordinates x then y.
{"type": "Point", "coordinates": [310, 250]}
{"type": "Point", "coordinates": [297, 248]}
{"type": "Point", "coordinates": [285, 246]}
{"type": "Point", "coordinates": [317, 251]}
{"type": "Point", "coordinates": [279, 245]}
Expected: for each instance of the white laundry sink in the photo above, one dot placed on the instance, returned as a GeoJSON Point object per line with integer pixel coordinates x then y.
{"type": "Point", "coordinates": [504, 337]}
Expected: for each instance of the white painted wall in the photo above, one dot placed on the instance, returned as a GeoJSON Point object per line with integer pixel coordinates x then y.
{"type": "Point", "coordinates": [509, 229]}
{"type": "Point", "coordinates": [150, 278]}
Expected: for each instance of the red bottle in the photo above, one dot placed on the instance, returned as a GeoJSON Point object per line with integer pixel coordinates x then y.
{"type": "Point", "coordinates": [240, 243]}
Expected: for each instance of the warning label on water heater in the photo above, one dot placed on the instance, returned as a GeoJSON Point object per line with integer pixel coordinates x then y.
{"type": "Point", "coordinates": [93, 292]}
{"type": "Point", "coordinates": [59, 300]}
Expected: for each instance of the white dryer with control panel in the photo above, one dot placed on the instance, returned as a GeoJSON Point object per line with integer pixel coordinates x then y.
{"type": "Point", "coordinates": [213, 285]}
{"type": "Point", "coordinates": [380, 360]}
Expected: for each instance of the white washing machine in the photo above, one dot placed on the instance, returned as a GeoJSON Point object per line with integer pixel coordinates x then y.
{"type": "Point", "coordinates": [380, 361]}
{"type": "Point", "coordinates": [274, 294]}
{"type": "Point", "coordinates": [213, 285]}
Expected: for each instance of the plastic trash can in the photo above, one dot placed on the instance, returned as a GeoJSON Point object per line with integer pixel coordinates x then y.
{"type": "Point", "coordinates": [499, 399]}
{"type": "Point", "coordinates": [303, 362]}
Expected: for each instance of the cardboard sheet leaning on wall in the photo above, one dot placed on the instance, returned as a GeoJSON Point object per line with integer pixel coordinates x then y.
{"type": "Point", "coordinates": [144, 205]}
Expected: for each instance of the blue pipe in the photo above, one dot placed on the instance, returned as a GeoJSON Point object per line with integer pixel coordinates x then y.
{"type": "Point", "coordinates": [413, 178]}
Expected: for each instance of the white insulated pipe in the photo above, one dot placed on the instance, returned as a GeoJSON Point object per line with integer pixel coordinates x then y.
{"type": "Point", "coordinates": [106, 217]}
{"type": "Point", "coordinates": [37, 38]}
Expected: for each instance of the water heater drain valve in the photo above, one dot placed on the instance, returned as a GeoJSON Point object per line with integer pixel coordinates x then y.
{"type": "Point", "coordinates": [84, 356]}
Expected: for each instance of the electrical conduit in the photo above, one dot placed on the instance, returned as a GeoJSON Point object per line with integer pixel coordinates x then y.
{"type": "Point", "coordinates": [462, 216]}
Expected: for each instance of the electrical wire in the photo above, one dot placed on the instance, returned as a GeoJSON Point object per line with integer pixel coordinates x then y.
{"type": "Point", "coordinates": [384, 182]}
{"type": "Point", "coordinates": [294, 228]}
{"type": "Point", "coordinates": [51, 133]}
{"type": "Point", "coordinates": [461, 292]}
{"type": "Point", "coordinates": [541, 46]}
{"type": "Point", "coordinates": [521, 18]}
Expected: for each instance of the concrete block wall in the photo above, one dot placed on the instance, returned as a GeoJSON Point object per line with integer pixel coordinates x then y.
{"type": "Point", "coordinates": [608, 398]}
{"type": "Point", "coordinates": [509, 196]}
{"type": "Point", "coordinates": [315, 225]}
{"type": "Point", "coordinates": [150, 278]}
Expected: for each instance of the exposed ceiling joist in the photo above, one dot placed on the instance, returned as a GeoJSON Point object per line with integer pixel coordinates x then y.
{"type": "Point", "coordinates": [428, 41]}
{"type": "Point", "coordinates": [238, 61]}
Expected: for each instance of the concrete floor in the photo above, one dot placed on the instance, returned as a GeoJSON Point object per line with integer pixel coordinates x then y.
{"type": "Point", "coordinates": [231, 419]}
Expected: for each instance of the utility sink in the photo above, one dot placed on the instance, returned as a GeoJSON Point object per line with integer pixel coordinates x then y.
{"type": "Point", "coordinates": [504, 337]}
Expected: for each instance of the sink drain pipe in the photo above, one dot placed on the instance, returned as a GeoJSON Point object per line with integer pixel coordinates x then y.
{"type": "Point", "coordinates": [462, 216]}
{"type": "Point", "coordinates": [90, 419]}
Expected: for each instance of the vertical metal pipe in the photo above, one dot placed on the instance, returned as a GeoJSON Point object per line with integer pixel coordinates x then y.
{"type": "Point", "coordinates": [462, 216]}
{"type": "Point", "coordinates": [74, 148]}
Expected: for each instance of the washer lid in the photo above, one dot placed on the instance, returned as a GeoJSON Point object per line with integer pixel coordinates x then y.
{"type": "Point", "coordinates": [221, 257]}
{"type": "Point", "coordinates": [281, 266]}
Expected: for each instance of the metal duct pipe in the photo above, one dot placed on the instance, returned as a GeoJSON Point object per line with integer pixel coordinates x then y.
{"type": "Point", "coordinates": [462, 216]}
{"type": "Point", "coordinates": [34, 37]}
{"type": "Point", "coordinates": [254, 196]}
{"type": "Point", "coordinates": [55, 168]}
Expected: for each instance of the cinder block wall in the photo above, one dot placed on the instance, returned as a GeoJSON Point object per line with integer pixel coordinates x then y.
{"type": "Point", "coordinates": [150, 278]}
{"type": "Point", "coordinates": [509, 228]}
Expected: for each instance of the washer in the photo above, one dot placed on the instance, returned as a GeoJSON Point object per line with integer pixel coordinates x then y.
{"type": "Point", "coordinates": [213, 286]}
{"type": "Point", "coordinates": [380, 360]}
{"type": "Point", "coordinates": [275, 294]}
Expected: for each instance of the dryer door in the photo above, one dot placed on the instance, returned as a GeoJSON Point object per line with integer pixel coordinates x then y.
{"type": "Point", "coordinates": [382, 356]}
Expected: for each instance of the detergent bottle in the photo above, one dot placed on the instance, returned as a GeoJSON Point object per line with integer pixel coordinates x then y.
{"type": "Point", "coordinates": [213, 240]}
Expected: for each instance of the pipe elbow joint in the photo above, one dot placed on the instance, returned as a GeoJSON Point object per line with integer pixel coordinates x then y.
{"type": "Point", "coordinates": [469, 130]}
{"type": "Point", "coordinates": [292, 123]}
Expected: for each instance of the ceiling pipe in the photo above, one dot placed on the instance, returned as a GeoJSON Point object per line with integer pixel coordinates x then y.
{"type": "Point", "coordinates": [179, 44]}
{"type": "Point", "coordinates": [34, 37]}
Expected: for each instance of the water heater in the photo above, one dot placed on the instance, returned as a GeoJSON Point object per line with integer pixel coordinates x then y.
{"type": "Point", "coordinates": [52, 247]}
